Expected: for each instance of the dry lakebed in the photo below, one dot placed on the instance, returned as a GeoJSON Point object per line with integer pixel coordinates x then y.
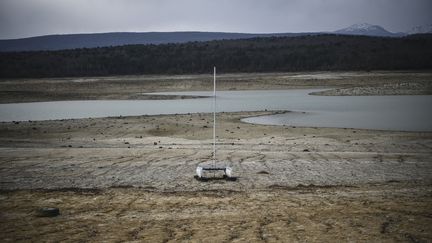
{"type": "Point", "coordinates": [131, 178]}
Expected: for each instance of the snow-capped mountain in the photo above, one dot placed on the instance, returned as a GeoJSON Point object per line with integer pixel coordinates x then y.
{"type": "Point", "coordinates": [366, 29]}
{"type": "Point", "coordinates": [420, 29]}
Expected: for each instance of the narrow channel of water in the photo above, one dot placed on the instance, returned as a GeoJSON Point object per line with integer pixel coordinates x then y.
{"type": "Point", "coordinates": [406, 113]}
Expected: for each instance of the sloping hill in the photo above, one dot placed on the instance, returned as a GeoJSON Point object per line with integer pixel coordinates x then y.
{"type": "Point", "coordinates": [73, 41]}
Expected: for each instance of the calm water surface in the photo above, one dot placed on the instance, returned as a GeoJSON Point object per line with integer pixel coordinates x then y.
{"type": "Point", "coordinates": [407, 113]}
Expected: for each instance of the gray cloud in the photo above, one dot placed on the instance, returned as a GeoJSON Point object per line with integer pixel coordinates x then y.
{"type": "Point", "coordinates": [23, 18]}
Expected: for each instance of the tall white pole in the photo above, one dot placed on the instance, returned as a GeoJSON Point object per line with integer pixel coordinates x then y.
{"type": "Point", "coordinates": [214, 116]}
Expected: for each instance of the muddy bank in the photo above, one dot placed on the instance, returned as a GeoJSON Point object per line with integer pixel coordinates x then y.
{"type": "Point", "coordinates": [131, 179]}
{"type": "Point", "coordinates": [132, 87]}
{"type": "Point", "coordinates": [404, 88]}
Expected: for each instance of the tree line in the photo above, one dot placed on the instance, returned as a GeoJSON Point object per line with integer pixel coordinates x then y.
{"type": "Point", "coordinates": [325, 52]}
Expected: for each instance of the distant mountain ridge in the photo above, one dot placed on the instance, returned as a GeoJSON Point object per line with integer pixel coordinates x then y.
{"type": "Point", "coordinates": [423, 29]}
{"type": "Point", "coordinates": [92, 40]}
{"type": "Point", "coordinates": [73, 41]}
{"type": "Point", "coordinates": [367, 29]}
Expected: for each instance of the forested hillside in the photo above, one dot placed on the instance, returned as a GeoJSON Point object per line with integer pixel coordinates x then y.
{"type": "Point", "coordinates": [273, 54]}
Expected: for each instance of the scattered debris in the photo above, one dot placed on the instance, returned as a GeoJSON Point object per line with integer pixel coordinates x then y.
{"type": "Point", "coordinates": [263, 172]}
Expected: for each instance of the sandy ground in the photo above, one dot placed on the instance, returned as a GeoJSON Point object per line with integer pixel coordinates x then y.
{"type": "Point", "coordinates": [131, 178]}
{"type": "Point", "coordinates": [162, 152]}
{"type": "Point", "coordinates": [373, 213]}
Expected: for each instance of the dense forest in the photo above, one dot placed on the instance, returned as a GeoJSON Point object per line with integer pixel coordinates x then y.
{"type": "Point", "coordinates": [271, 54]}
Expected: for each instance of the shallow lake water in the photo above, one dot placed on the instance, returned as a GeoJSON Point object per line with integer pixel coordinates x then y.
{"type": "Point", "coordinates": [406, 113]}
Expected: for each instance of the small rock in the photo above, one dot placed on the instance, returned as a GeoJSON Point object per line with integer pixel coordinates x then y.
{"type": "Point", "coordinates": [47, 212]}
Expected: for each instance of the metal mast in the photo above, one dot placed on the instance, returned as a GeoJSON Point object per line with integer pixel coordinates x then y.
{"type": "Point", "coordinates": [214, 116]}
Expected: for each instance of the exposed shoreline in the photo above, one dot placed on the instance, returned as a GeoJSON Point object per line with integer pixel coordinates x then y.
{"type": "Point", "coordinates": [153, 144]}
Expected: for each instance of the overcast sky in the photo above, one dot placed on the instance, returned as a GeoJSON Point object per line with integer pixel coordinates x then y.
{"type": "Point", "coordinates": [24, 18]}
